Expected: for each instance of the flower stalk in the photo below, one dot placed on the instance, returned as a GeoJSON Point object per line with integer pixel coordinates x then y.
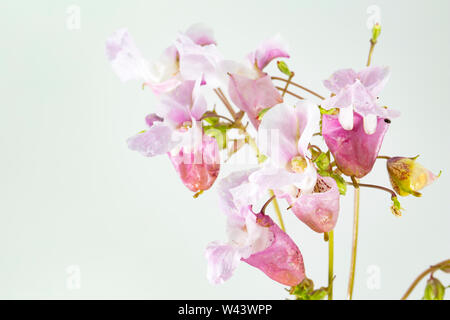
{"type": "Point", "coordinates": [431, 269]}
{"type": "Point", "coordinates": [351, 281]}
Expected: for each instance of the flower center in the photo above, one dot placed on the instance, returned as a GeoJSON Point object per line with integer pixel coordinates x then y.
{"type": "Point", "coordinates": [298, 164]}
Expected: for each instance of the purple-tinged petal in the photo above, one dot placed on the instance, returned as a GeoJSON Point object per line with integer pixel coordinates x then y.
{"type": "Point", "coordinates": [159, 88]}
{"type": "Point", "coordinates": [374, 78]}
{"type": "Point", "coordinates": [282, 260]}
{"type": "Point", "coordinates": [197, 166]}
{"type": "Point", "coordinates": [175, 106]}
{"type": "Point", "coordinates": [126, 59]}
{"type": "Point", "coordinates": [340, 79]}
{"type": "Point", "coordinates": [201, 34]}
{"type": "Point", "coordinates": [152, 118]}
{"type": "Point", "coordinates": [199, 62]}
{"type": "Point", "coordinates": [222, 261]}
{"type": "Point", "coordinates": [224, 187]}
{"type": "Point", "coordinates": [355, 151]}
{"type": "Point", "coordinates": [253, 95]}
{"type": "Point", "coordinates": [308, 117]}
{"type": "Point", "coordinates": [155, 141]}
{"type": "Point", "coordinates": [279, 126]}
{"type": "Point", "coordinates": [267, 51]}
{"type": "Point", "coordinates": [318, 210]}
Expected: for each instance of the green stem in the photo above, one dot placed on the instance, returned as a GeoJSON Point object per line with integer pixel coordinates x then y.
{"type": "Point", "coordinates": [287, 84]}
{"type": "Point", "coordinates": [330, 264]}
{"type": "Point", "coordinates": [422, 275]}
{"type": "Point", "coordinates": [351, 280]}
{"type": "Point", "coordinates": [301, 87]}
{"type": "Point", "coordinates": [372, 46]}
{"type": "Point", "coordinates": [277, 211]}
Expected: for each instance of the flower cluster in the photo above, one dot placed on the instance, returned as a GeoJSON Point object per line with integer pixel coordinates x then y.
{"type": "Point", "coordinates": [186, 126]}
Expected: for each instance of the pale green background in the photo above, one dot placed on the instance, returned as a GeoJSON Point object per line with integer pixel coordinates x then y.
{"type": "Point", "coordinates": [73, 194]}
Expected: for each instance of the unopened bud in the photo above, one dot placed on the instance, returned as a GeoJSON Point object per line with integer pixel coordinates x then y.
{"type": "Point", "coordinates": [434, 290]}
{"type": "Point", "coordinates": [376, 30]}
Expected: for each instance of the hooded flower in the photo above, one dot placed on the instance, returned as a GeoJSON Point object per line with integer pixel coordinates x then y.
{"type": "Point", "coordinates": [358, 91]}
{"type": "Point", "coordinates": [354, 150]}
{"type": "Point", "coordinates": [254, 239]}
{"type": "Point", "coordinates": [177, 131]}
{"type": "Point", "coordinates": [408, 176]}
{"type": "Point", "coordinates": [290, 172]}
{"type": "Point", "coordinates": [249, 87]}
{"type": "Point", "coordinates": [161, 75]}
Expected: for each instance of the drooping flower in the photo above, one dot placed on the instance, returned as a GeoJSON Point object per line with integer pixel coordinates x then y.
{"type": "Point", "coordinates": [249, 87]}
{"type": "Point", "coordinates": [407, 176]}
{"type": "Point", "coordinates": [358, 92]}
{"type": "Point", "coordinates": [354, 150]}
{"type": "Point", "coordinates": [161, 75]}
{"type": "Point", "coordinates": [198, 166]}
{"type": "Point", "coordinates": [254, 239]}
{"type": "Point", "coordinates": [177, 131]}
{"type": "Point", "coordinates": [290, 172]}
{"type": "Point", "coordinates": [319, 210]}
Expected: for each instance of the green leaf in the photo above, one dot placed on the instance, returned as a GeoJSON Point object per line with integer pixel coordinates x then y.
{"type": "Point", "coordinates": [219, 132]}
{"type": "Point", "coordinates": [342, 185]}
{"type": "Point", "coordinates": [319, 294]}
{"type": "Point", "coordinates": [210, 117]}
{"type": "Point", "coordinates": [305, 291]}
{"type": "Point", "coordinates": [325, 111]}
{"type": "Point", "coordinates": [282, 66]}
{"type": "Point", "coordinates": [323, 161]}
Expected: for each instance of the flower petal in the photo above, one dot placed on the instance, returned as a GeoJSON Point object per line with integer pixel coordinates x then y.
{"type": "Point", "coordinates": [355, 151]}
{"type": "Point", "coordinates": [201, 34]}
{"type": "Point", "coordinates": [340, 79]}
{"type": "Point", "coordinates": [346, 117]}
{"type": "Point", "coordinates": [155, 141]}
{"type": "Point", "coordinates": [222, 261]}
{"type": "Point", "coordinates": [308, 117]}
{"type": "Point", "coordinates": [282, 260]}
{"type": "Point", "coordinates": [370, 123]}
{"type": "Point", "coordinates": [253, 95]}
{"type": "Point", "coordinates": [318, 210]}
{"type": "Point", "coordinates": [267, 51]}
{"type": "Point", "coordinates": [280, 123]}
{"type": "Point", "coordinates": [226, 201]}
{"type": "Point", "coordinates": [374, 78]}
{"type": "Point", "coordinates": [197, 164]}
{"type": "Point", "coordinates": [126, 59]}
{"type": "Point", "coordinates": [199, 62]}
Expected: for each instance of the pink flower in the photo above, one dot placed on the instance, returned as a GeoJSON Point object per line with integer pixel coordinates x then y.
{"type": "Point", "coordinates": [314, 199]}
{"type": "Point", "coordinates": [254, 239]}
{"type": "Point", "coordinates": [354, 150]}
{"type": "Point", "coordinates": [177, 131]}
{"type": "Point", "coordinates": [289, 130]}
{"type": "Point", "coordinates": [198, 166]}
{"type": "Point", "coordinates": [161, 75]}
{"type": "Point", "coordinates": [252, 90]}
{"type": "Point", "coordinates": [319, 210]}
{"type": "Point", "coordinates": [358, 92]}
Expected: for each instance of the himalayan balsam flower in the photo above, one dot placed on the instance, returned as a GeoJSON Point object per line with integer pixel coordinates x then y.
{"type": "Point", "coordinates": [254, 239]}
{"type": "Point", "coordinates": [177, 131]}
{"type": "Point", "coordinates": [249, 87]}
{"type": "Point", "coordinates": [354, 150]}
{"type": "Point", "coordinates": [314, 199]}
{"type": "Point", "coordinates": [161, 75]}
{"type": "Point", "coordinates": [358, 92]}
{"type": "Point", "coordinates": [408, 176]}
